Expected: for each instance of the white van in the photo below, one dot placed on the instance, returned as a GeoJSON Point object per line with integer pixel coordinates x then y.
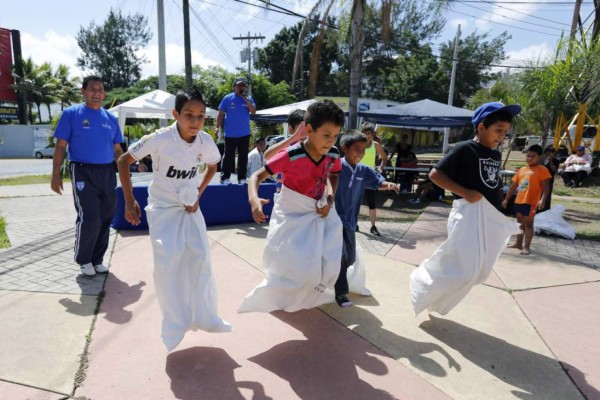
{"type": "Point", "coordinates": [589, 133]}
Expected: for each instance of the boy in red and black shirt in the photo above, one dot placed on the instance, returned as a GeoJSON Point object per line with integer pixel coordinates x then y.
{"type": "Point", "coordinates": [303, 250]}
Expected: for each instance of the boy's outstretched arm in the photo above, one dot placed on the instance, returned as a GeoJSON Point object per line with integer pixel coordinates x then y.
{"type": "Point", "coordinates": [256, 202]}
{"type": "Point", "coordinates": [389, 186]}
{"type": "Point", "coordinates": [296, 137]}
{"type": "Point", "coordinates": [445, 182]}
{"type": "Point", "coordinates": [132, 208]}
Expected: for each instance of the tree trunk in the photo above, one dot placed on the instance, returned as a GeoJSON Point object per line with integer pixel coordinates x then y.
{"type": "Point", "coordinates": [39, 112]}
{"type": "Point", "coordinates": [49, 112]}
{"type": "Point", "coordinates": [316, 56]}
{"type": "Point", "coordinates": [357, 40]}
{"type": "Point", "coordinates": [596, 29]}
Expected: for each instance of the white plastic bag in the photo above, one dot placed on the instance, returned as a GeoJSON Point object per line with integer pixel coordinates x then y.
{"type": "Point", "coordinates": [552, 222]}
{"type": "Point", "coordinates": [301, 259]}
{"type": "Point", "coordinates": [183, 277]}
{"type": "Point", "coordinates": [585, 167]}
{"type": "Point", "coordinates": [357, 277]}
{"type": "Point", "coordinates": [477, 234]}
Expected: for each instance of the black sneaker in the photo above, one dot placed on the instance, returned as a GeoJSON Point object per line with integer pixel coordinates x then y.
{"type": "Point", "coordinates": [357, 229]}
{"type": "Point", "coordinates": [374, 231]}
{"type": "Point", "coordinates": [343, 301]}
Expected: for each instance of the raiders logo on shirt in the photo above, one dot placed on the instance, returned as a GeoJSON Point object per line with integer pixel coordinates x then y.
{"type": "Point", "coordinates": [488, 171]}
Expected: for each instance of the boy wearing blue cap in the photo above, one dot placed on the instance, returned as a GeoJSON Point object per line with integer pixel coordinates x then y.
{"type": "Point", "coordinates": [477, 231]}
{"type": "Point", "coordinates": [470, 170]}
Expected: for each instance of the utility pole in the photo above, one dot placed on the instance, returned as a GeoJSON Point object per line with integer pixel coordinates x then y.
{"type": "Point", "coordinates": [162, 67]}
{"type": "Point", "coordinates": [248, 55]}
{"type": "Point", "coordinates": [452, 83]}
{"type": "Point", "coordinates": [575, 19]}
{"type": "Point", "coordinates": [186, 43]}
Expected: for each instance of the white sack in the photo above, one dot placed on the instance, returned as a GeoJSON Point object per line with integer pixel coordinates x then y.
{"type": "Point", "coordinates": [585, 167]}
{"type": "Point", "coordinates": [477, 234]}
{"type": "Point", "coordinates": [302, 257]}
{"type": "Point", "coordinates": [357, 276]}
{"type": "Point", "coordinates": [185, 287]}
{"type": "Point", "coordinates": [552, 222]}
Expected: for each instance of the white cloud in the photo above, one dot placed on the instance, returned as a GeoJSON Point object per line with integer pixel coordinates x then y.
{"type": "Point", "coordinates": [175, 60]}
{"type": "Point", "coordinates": [536, 52]}
{"type": "Point", "coordinates": [52, 48]}
{"type": "Point", "coordinates": [249, 12]}
{"type": "Point", "coordinates": [453, 24]}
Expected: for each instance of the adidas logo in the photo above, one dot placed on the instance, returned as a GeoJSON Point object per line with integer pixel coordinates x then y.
{"type": "Point", "coordinates": [177, 174]}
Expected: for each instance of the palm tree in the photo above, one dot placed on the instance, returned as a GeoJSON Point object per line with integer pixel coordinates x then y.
{"type": "Point", "coordinates": [29, 87]}
{"type": "Point", "coordinates": [67, 91]}
{"type": "Point", "coordinates": [560, 86]}
{"type": "Point", "coordinates": [357, 41]}
{"type": "Point", "coordinates": [49, 87]}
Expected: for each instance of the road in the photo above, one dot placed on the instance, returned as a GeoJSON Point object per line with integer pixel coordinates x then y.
{"type": "Point", "coordinates": [24, 166]}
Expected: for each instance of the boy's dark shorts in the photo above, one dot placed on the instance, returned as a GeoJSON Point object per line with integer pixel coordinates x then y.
{"type": "Point", "coordinates": [370, 197]}
{"type": "Point", "coordinates": [523, 209]}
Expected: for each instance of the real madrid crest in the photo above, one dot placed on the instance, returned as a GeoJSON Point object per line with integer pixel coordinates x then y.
{"type": "Point", "coordinates": [86, 123]}
{"type": "Point", "coordinates": [199, 158]}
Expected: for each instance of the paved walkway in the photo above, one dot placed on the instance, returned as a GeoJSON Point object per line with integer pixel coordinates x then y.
{"type": "Point", "coordinates": [530, 332]}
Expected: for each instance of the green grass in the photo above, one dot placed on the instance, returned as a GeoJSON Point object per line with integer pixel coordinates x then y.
{"type": "Point", "coordinates": [583, 216]}
{"type": "Point", "coordinates": [28, 180]}
{"type": "Point", "coordinates": [4, 241]}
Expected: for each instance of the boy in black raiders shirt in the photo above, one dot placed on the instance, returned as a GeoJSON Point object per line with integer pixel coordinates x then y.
{"type": "Point", "coordinates": [470, 170]}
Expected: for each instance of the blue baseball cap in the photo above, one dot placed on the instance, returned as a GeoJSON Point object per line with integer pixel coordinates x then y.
{"type": "Point", "coordinates": [489, 108]}
{"type": "Point", "coordinates": [580, 148]}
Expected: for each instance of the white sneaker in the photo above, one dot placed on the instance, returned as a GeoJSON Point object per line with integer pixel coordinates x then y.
{"type": "Point", "coordinates": [88, 269]}
{"type": "Point", "coordinates": [242, 182]}
{"type": "Point", "coordinates": [101, 269]}
{"type": "Point", "coordinates": [226, 182]}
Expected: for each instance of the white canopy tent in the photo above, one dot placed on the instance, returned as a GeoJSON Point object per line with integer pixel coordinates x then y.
{"type": "Point", "coordinates": [156, 104]}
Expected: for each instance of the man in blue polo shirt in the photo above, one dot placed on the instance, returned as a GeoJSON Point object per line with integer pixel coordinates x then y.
{"type": "Point", "coordinates": [234, 114]}
{"type": "Point", "coordinates": [93, 138]}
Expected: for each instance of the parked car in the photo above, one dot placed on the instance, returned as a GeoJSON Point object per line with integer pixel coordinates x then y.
{"type": "Point", "coordinates": [272, 139]}
{"type": "Point", "coordinates": [589, 135]}
{"type": "Point", "coordinates": [42, 152]}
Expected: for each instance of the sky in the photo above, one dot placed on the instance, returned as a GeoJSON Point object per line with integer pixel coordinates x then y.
{"type": "Point", "coordinates": [49, 33]}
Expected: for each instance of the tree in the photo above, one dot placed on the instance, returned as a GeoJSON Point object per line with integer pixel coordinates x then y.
{"type": "Point", "coordinates": [409, 78]}
{"type": "Point", "coordinates": [357, 41]}
{"type": "Point", "coordinates": [110, 50]}
{"type": "Point", "coordinates": [276, 60]}
{"type": "Point", "coordinates": [67, 91]}
{"type": "Point", "coordinates": [49, 88]}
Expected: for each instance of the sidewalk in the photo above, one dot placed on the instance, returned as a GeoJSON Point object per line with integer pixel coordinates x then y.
{"type": "Point", "coordinates": [530, 332]}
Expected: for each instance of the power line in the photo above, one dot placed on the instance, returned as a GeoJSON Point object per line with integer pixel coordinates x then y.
{"type": "Point", "coordinates": [518, 12]}
{"type": "Point", "coordinates": [209, 32]}
{"type": "Point", "coordinates": [500, 23]}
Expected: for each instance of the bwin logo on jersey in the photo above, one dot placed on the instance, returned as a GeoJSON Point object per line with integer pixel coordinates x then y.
{"type": "Point", "coordinates": [173, 172]}
{"type": "Point", "coordinates": [488, 171]}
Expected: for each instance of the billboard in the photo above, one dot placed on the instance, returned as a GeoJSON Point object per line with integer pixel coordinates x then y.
{"type": "Point", "coordinates": [6, 63]}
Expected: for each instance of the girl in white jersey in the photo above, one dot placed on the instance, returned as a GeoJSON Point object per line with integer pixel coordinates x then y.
{"type": "Point", "coordinates": [182, 268]}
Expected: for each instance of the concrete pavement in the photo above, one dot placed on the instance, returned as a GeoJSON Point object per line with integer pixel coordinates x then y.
{"type": "Point", "coordinates": [530, 332]}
